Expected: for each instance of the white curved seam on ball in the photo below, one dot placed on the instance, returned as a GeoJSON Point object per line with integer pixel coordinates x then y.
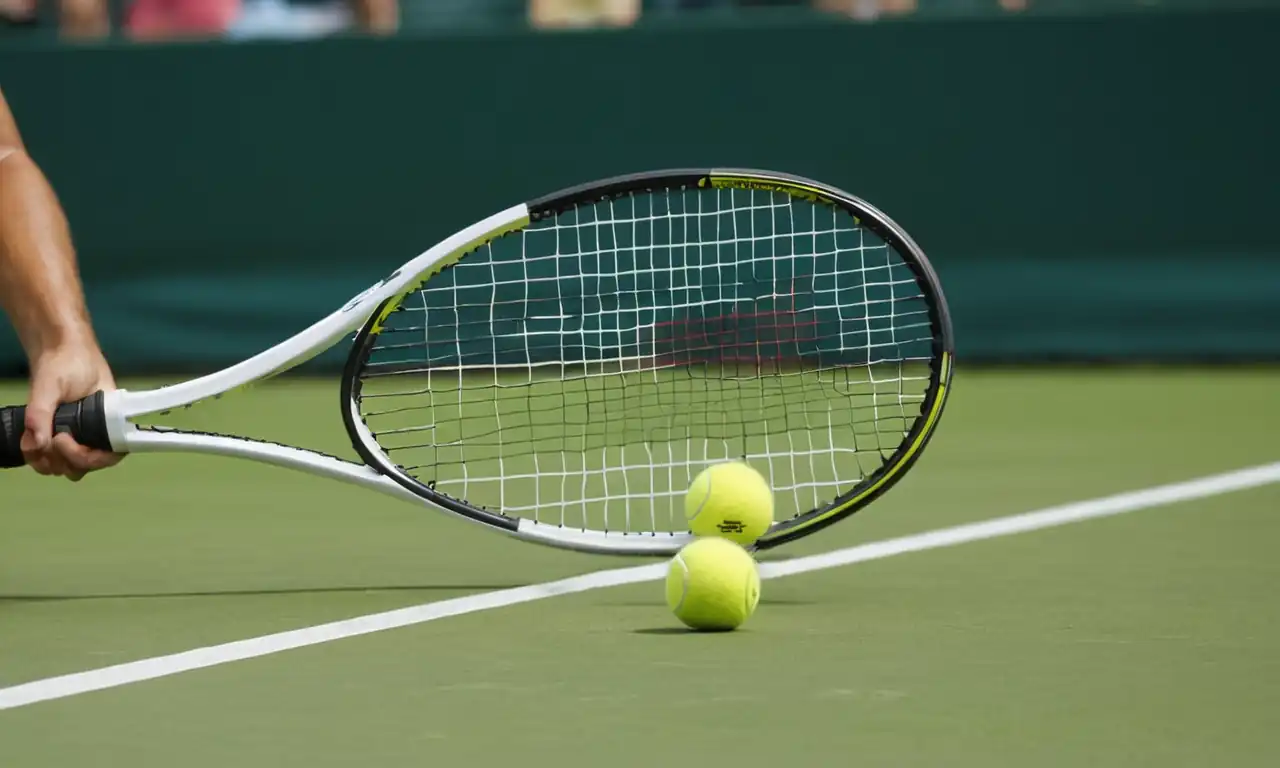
{"type": "Point", "coordinates": [684, 583]}
{"type": "Point", "coordinates": [705, 498]}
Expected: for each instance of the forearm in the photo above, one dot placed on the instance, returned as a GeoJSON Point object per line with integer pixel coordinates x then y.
{"type": "Point", "coordinates": [39, 282]}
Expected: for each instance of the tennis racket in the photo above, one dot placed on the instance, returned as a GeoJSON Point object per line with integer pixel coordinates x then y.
{"type": "Point", "coordinates": [561, 370]}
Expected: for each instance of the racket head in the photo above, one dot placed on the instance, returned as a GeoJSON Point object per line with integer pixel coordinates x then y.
{"type": "Point", "coordinates": [565, 377]}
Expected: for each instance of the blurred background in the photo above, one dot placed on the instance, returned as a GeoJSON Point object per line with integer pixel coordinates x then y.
{"type": "Point", "coordinates": [232, 19]}
{"type": "Point", "coordinates": [1095, 180]}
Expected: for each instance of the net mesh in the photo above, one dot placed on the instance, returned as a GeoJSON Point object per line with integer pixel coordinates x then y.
{"type": "Point", "coordinates": [582, 371]}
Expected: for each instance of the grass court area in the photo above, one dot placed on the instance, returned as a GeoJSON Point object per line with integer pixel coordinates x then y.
{"type": "Point", "coordinates": [1144, 639]}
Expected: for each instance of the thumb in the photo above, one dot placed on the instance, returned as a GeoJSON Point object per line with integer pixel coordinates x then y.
{"type": "Point", "coordinates": [41, 406]}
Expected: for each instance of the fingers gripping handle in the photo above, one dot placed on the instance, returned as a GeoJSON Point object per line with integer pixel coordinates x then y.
{"type": "Point", "coordinates": [85, 419]}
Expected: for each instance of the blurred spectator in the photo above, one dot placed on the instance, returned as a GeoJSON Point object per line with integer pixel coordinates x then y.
{"type": "Point", "coordinates": [18, 12]}
{"type": "Point", "coordinates": [185, 19]}
{"type": "Point", "coordinates": [583, 13]}
{"type": "Point", "coordinates": [77, 18]}
{"type": "Point", "coordinates": [314, 18]}
{"type": "Point", "coordinates": [689, 5]}
{"type": "Point", "coordinates": [562, 13]}
{"type": "Point", "coordinates": [380, 17]}
{"type": "Point", "coordinates": [858, 9]}
{"type": "Point", "coordinates": [869, 9]}
{"type": "Point", "coordinates": [172, 19]}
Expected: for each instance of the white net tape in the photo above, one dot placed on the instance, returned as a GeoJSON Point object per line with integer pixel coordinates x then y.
{"type": "Point", "coordinates": [581, 372]}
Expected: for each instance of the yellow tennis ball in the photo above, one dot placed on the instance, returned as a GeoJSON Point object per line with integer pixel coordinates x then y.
{"type": "Point", "coordinates": [713, 585]}
{"type": "Point", "coordinates": [731, 500]}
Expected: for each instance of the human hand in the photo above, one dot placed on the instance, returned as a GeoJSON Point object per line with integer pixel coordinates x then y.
{"type": "Point", "coordinates": [64, 374]}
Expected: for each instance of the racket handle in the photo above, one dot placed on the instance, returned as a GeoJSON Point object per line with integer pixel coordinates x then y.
{"type": "Point", "coordinates": [85, 419]}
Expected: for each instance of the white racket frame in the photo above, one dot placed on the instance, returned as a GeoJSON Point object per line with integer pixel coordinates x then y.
{"type": "Point", "coordinates": [122, 405]}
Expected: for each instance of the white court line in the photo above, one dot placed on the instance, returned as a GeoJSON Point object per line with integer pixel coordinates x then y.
{"type": "Point", "coordinates": [163, 666]}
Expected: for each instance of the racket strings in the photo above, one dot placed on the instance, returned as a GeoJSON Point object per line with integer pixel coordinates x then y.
{"type": "Point", "coordinates": [584, 370]}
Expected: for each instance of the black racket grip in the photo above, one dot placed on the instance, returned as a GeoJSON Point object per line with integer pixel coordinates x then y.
{"type": "Point", "coordinates": [85, 419]}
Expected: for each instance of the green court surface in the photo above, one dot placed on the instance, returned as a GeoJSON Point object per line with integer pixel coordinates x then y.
{"type": "Point", "coordinates": [1144, 639]}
